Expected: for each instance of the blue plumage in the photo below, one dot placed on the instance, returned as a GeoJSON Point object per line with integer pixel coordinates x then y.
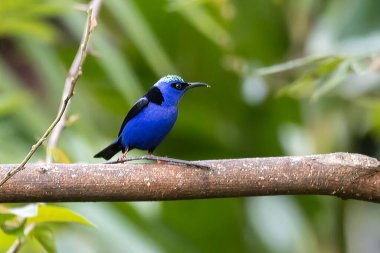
{"type": "Point", "coordinates": [151, 118]}
{"type": "Point", "coordinates": [148, 128]}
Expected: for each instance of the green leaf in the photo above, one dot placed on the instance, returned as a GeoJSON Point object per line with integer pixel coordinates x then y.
{"type": "Point", "coordinates": [4, 217]}
{"type": "Point", "coordinates": [48, 213]}
{"type": "Point", "coordinates": [6, 241]}
{"type": "Point", "coordinates": [45, 237]}
{"type": "Point", "coordinates": [302, 87]}
{"type": "Point", "coordinates": [328, 65]}
{"type": "Point", "coordinates": [290, 65]}
{"type": "Point", "coordinates": [332, 81]}
{"type": "Point", "coordinates": [13, 220]}
{"type": "Point", "coordinates": [319, 73]}
{"type": "Point", "coordinates": [14, 226]}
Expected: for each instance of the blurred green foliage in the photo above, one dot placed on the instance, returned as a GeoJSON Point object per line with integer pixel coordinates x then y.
{"type": "Point", "coordinates": [288, 78]}
{"type": "Point", "coordinates": [30, 222]}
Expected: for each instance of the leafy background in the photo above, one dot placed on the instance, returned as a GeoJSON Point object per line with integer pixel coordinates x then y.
{"type": "Point", "coordinates": [288, 78]}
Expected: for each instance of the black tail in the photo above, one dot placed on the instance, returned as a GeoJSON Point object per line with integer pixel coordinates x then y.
{"type": "Point", "coordinates": [109, 151]}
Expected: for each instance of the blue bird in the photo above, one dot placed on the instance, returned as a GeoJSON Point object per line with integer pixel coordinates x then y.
{"type": "Point", "coordinates": [151, 118]}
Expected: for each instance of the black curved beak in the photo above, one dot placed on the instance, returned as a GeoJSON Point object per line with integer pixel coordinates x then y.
{"type": "Point", "coordinates": [196, 84]}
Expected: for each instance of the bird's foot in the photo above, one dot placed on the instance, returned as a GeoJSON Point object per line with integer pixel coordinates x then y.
{"type": "Point", "coordinates": [161, 159]}
{"type": "Point", "coordinates": [122, 157]}
{"type": "Point", "coordinates": [160, 162]}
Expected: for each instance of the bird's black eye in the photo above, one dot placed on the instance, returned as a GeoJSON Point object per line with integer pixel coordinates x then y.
{"type": "Point", "coordinates": [177, 86]}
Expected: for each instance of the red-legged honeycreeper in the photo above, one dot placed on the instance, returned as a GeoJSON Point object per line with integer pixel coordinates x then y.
{"type": "Point", "coordinates": [151, 118]}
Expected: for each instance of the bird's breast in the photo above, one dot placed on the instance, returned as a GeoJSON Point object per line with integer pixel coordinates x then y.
{"type": "Point", "coordinates": [162, 114]}
{"type": "Point", "coordinates": [147, 129]}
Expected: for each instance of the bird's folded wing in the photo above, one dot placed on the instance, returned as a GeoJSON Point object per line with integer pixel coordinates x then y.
{"type": "Point", "coordinates": [140, 104]}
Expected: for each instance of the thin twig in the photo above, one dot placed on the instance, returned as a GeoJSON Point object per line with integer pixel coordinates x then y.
{"type": "Point", "coordinates": [75, 69]}
{"type": "Point", "coordinates": [161, 159]}
{"type": "Point", "coordinates": [292, 64]}
{"type": "Point", "coordinates": [16, 246]}
{"type": "Point", "coordinates": [73, 78]}
{"type": "Point", "coordinates": [344, 175]}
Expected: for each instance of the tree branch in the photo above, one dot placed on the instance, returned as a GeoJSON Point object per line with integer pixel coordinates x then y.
{"type": "Point", "coordinates": [74, 72]}
{"type": "Point", "coordinates": [348, 176]}
{"type": "Point", "coordinates": [71, 81]}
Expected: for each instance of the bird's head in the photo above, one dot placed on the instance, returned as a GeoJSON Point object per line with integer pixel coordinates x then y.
{"type": "Point", "coordinates": [174, 87]}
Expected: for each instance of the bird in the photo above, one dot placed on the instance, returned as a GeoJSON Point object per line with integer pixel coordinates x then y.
{"type": "Point", "coordinates": [151, 118]}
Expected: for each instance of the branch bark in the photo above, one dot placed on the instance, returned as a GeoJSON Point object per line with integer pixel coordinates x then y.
{"type": "Point", "coordinates": [344, 175]}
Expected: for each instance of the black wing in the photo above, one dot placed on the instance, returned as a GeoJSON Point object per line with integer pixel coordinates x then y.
{"type": "Point", "coordinates": [140, 104]}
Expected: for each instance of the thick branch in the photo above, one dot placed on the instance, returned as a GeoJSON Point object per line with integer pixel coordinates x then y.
{"type": "Point", "coordinates": [348, 176]}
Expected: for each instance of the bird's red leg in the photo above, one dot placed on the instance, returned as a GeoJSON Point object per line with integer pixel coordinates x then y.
{"type": "Point", "coordinates": [122, 157]}
{"type": "Point", "coordinates": [150, 152]}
